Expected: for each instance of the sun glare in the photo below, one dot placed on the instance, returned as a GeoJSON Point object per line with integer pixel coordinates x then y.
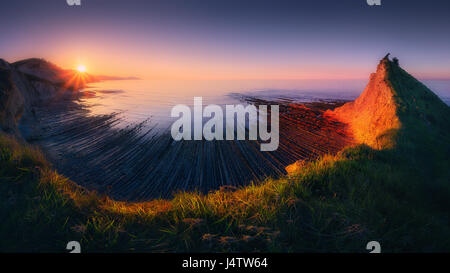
{"type": "Point", "coordinates": [81, 68]}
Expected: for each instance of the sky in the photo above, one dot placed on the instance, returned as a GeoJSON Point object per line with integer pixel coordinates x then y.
{"type": "Point", "coordinates": [230, 39]}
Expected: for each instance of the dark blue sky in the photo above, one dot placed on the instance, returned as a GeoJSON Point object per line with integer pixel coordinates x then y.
{"type": "Point", "coordinates": [247, 39]}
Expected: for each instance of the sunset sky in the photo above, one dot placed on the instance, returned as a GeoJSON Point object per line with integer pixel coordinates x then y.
{"type": "Point", "coordinates": [322, 39]}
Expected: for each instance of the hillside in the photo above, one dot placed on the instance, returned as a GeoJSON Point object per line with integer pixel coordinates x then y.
{"type": "Point", "coordinates": [28, 83]}
{"type": "Point", "coordinates": [45, 70]}
{"type": "Point", "coordinates": [393, 100]}
{"type": "Point", "coordinates": [392, 188]}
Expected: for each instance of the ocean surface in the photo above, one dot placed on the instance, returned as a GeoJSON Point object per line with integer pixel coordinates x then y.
{"type": "Point", "coordinates": [116, 138]}
{"type": "Point", "coordinates": [138, 100]}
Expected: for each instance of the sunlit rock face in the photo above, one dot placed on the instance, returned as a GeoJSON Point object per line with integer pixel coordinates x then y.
{"type": "Point", "coordinates": [374, 112]}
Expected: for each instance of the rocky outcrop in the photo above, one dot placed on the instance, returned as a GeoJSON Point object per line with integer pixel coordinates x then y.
{"type": "Point", "coordinates": [24, 85]}
{"type": "Point", "coordinates": [4, 64]}
{"type": "Point", "coordinates": [391, 101]}
{"type": "Point", "coordinates": [51, 73]}
{"type": "Point", "coordinates": [374, 111]}
{"type": "Point", "coordinates": [31, 82]}
{"type": "Point", "coordinates": [41, 69]}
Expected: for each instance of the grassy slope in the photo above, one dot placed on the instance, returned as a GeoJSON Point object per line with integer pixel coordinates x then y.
{"type": "Point", "coordinates": [335, 204]}
{"type": "Point", "coordinates": [398, 196]}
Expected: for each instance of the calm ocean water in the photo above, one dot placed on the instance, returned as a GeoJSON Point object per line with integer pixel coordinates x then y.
{"type": "Point", "coordinates": [138, 100]}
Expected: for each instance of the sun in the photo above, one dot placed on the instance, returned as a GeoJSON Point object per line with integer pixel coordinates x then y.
{"type": "Point", "coordinates": [81, 68]}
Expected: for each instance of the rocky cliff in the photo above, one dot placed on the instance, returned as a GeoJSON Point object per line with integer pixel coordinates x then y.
{"type": "Point", "coordinates": [31, 82]}
{"type": "Point", "coordinates": [393, 100]}
{"type": "Point", "coordinates": [28, 83]}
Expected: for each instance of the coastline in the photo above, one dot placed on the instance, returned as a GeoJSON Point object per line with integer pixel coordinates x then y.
{"type": "Point", "coordinates": [397, 194]}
